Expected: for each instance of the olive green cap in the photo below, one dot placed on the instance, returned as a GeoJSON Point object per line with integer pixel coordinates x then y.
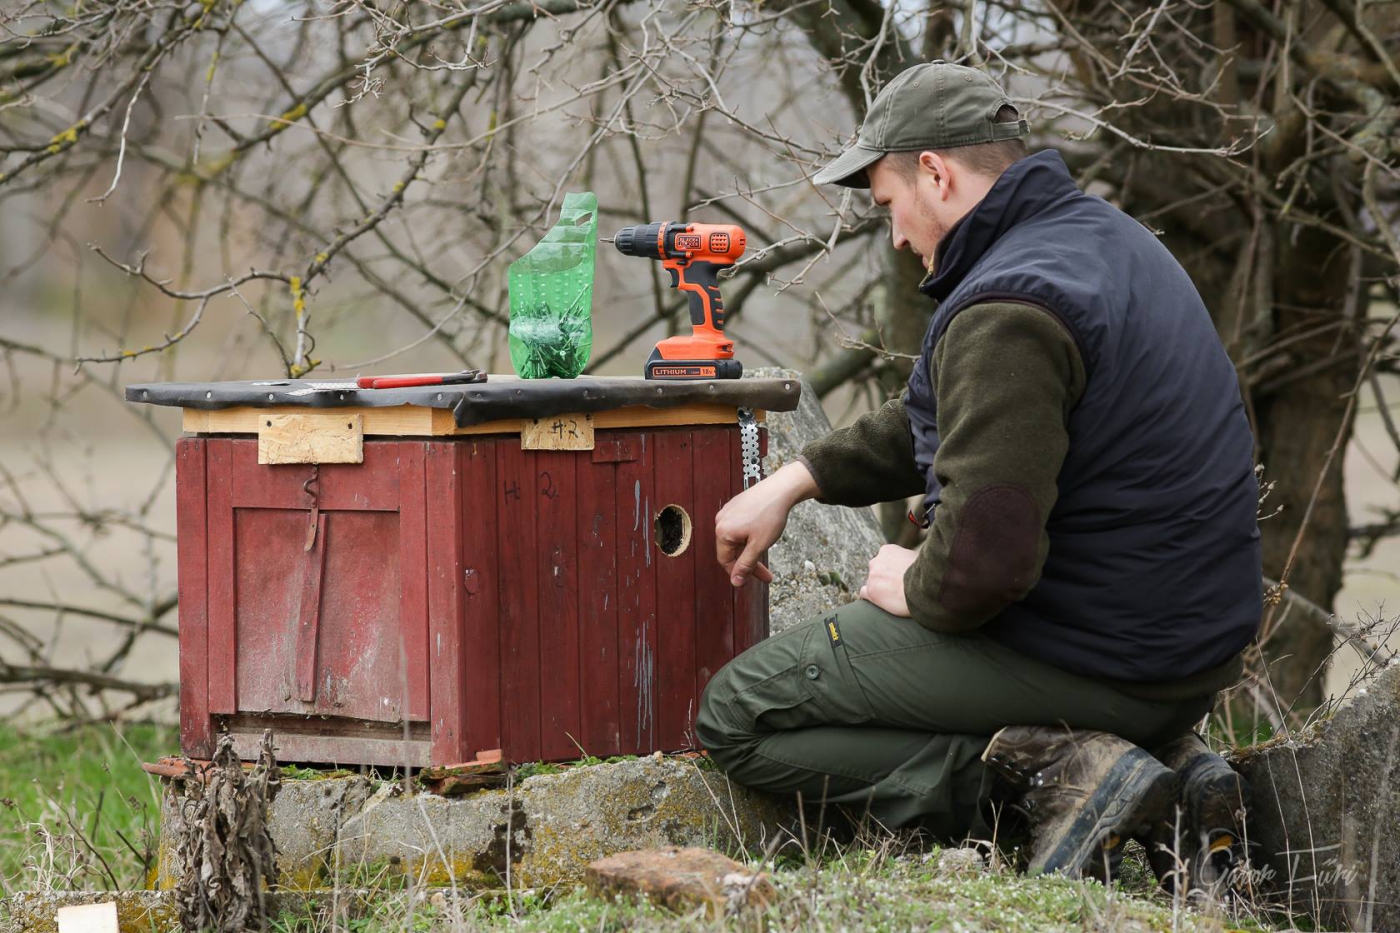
{"type": "Point", "coordinates": [936, 105]}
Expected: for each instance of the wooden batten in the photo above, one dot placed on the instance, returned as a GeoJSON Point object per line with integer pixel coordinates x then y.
{"type": "Point", "coordinates": [558, 432]}
{"type": "Point", "coordinates": [419, 421]}
{"type": "Point", "coordinates": [317, 435]}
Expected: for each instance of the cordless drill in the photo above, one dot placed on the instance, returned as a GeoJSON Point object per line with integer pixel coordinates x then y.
{"type": "Point", "coordinates": [693, 254]}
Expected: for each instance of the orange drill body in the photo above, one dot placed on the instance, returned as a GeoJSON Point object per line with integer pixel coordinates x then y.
{"type": "Point", "coordinates": [693, 254]}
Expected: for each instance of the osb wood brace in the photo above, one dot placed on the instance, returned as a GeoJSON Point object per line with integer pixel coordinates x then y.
{"type": "Point", "coordinates": [557, 432]}
{"type": "Point", "coordinates": [330, 436]}
{"type": "Point", "coordinates": [421, 421]}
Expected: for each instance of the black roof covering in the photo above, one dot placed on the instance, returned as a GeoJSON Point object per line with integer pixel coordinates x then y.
{"type": "Point", "coordinates": [498, 398]}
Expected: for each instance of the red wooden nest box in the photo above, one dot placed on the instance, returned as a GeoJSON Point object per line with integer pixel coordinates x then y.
{"type": "Point", "coordinates": [411, 576]}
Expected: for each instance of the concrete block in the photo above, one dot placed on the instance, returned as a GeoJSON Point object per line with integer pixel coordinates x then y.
{"type": "Point", "coordinates": [1324, 818]}
{"type": "Point", "coordinates": [823, 557]}
{"type": "Point", "coordinates": [37, 911]}
{"type": "Point", "coordinates": [545, 830]}
{"type": "Point", "coordinates": [157, 912]}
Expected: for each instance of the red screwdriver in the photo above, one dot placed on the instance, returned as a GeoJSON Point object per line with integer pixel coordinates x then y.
{"type": "Point", "coordinates": [421, 379]}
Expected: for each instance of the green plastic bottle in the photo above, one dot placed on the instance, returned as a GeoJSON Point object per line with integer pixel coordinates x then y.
{"type": "Point", "coordinates": [551, 295]}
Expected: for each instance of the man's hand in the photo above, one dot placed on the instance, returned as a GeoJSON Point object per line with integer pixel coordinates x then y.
{"type": "Point", "coordinates": [755, 518]}
{"type": "Point", "coordinates": [885, 585]}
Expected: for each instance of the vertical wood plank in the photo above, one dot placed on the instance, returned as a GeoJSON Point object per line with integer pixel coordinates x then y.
{"type": "Point", "coordinates": [447, 653]}
{"type": "Point", "coordinates": [223, 632]}
{"type": "Point", "coordinates": [359, 645]}
{"type": "Point", "coordinates": [556, 509]}
{"type": "Point", "coordinates": [596, 483]}
{"type": "Point", "coordinates": [413, 576]}
{"type": "Point", "coordinates": [478, 519]}
{"type": "Point", "coordinates": [714, 595]}
{"type": "Point", "coordinates": [519, 600]}
{"type": "Point", "coordinates": [191, 516]}
{"type": "Point", "coordinates": [636, 599]}
{"type": "Point", "coordinates": [675, 579]}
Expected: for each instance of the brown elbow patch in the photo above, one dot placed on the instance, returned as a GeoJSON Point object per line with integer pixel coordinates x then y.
{"type": "Point", "coordinates": [992, 558]}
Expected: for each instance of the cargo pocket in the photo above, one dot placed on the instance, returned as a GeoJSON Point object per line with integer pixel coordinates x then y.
{"type": "Point", "coordinates": [832, 680]}
{"type": "Point", "coordinates": [769, 688]}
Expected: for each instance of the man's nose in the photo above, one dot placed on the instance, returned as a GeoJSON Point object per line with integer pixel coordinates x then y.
{"type": "Point", "coordinates": [897, 238]}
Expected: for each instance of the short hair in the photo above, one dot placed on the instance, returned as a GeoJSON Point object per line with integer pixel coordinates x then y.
{"type": "Point", "coordinates": [983, 158]}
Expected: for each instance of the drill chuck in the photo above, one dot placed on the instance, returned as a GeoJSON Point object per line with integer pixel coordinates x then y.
{"type": "Point", "coordinates": [640, 240]}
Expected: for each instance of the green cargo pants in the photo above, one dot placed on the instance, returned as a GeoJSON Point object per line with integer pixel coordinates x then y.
{"type": "Point", "coordinates": [874, 712]}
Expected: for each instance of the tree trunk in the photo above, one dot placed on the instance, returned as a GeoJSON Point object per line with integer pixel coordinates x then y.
{"type": "Point", "coordinates": [1298, 418]}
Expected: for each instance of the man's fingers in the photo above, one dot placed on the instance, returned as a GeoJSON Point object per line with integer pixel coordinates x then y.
{"type": "Point", "coordinates": [745, 565]}
{"type": "Point", "coordinates": [758, 572]}
{"type": "Point", "coordinates": [730, 552]}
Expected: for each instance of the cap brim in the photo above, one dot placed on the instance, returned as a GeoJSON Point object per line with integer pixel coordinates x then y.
{"type": "Point", "coordinates": [849, 168]}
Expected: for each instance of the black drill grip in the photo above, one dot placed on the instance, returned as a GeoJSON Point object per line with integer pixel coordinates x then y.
{"type": "Point", "coordinates": [704, 279]}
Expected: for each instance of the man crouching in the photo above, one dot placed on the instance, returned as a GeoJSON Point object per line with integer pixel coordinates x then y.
{"type": "Point", "coordinates": [1092, 568]}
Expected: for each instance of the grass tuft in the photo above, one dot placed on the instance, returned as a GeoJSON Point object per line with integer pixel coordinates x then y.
{"type": "Point", "coordinates": [76, 810]}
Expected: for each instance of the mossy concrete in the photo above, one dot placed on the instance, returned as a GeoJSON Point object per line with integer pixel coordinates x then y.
{"type": "Point", "coordinates": [1324, 819]}
{"type": "Point", "coordinates": [544, 830]}
{"type": "Point", "coordinates": [156, 911]}
{"type": "Point", "coordinates": [137, 911]}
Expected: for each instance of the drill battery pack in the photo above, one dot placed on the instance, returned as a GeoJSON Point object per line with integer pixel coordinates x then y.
{"type": "Point", "coordinates": [660, 368]}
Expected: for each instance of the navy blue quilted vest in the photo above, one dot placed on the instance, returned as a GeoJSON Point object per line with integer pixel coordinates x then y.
{"type": "Point", "coordinates": [1154, 568]}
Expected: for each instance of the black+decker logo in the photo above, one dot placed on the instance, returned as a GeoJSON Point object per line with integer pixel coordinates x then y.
{"type": "Point", "coordinates": [689, 242]}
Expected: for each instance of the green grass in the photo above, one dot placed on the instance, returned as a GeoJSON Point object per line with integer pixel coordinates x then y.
{"type": "Point", "coordinates": [851, 889]}
{"type": "Point", "coordinates": [311, 773]}
{"type": "Point", "coordinates": [532, 768]}
{"type": "Point", "coordinates": [76, 810]}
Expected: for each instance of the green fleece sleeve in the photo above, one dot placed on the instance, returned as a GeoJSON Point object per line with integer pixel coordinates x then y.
{"type": "Point", "coordinates": [870, 461]}
{"type": "Point", "coordinates": [1006, 376]}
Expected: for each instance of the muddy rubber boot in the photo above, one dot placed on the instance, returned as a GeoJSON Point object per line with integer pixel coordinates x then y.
{"type": "Point", "coordinates": [1202, 840]}
{"type": "Point", "coordinates": [1083, 793]}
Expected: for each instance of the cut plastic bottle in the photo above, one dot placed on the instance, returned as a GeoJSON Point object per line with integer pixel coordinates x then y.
{"type": "Point", "coordinates": [551, 295]}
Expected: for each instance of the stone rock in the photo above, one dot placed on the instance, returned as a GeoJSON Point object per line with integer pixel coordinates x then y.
{"type": "Point", "coordinates": [960, 862]}
{"type": "Point", "coordinates": [822, 558]}
{"type": "Point", "coordinates": [681, 880]}
{"type": "Point", "coordinates": [1324, 819]}
{"type": "Point", "coordinates": [544, 830]}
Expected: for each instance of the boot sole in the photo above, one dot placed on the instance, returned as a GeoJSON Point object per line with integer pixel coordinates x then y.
{"type": "Point", "coordinates": [1137, 790]}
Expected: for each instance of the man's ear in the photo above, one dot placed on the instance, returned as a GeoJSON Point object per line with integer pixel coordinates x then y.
{"type": "Point", "coordinates": [935, 169]}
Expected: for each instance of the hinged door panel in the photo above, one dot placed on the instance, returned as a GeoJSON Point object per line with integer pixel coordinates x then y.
{"type": "Point", "coordinates": [328, 613]}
